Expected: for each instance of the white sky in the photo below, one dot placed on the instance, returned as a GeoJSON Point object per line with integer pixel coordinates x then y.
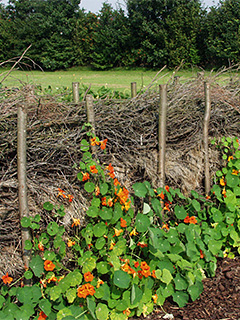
{"type": "Point", "coordinates": [95, 5]}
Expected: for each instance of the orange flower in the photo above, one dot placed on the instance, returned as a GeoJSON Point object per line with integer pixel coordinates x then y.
{"type": "Point", "coordinates": [125, 267]}
{"type": "Point", "coordinates": [165, 226]}
{"type": "Point", "coordinates": [43, 283]}
{"type": "Point", "coordinates": [97, 191]}
{"type": "Point", "coordinates": [201, 254]}
{"type": "Point", "coordinates": [186, 220]}
{"type": "Point", "coordinates": [48, 265]}
{"type": "Point", "coordinates": [222, 182]}
{"type": "Point", "coordinates": [85, 290]}
{"type": "Point", "coordinates": [112, 245]}
{"type": "Point", "coordinates": [42, 316]}
{"type": "Point", "coordinates": [192, 220]}
{"type": "Point", "coordinates": [167, 188]}
{"type": "Point", "coordinates": [123, 223]}
{"type": "Point", "coordinates": [103, 144]}
{"type": "Point", "coordinates": [93, 169]}
{"type": "Point", "coordinates": [61, 193]}
{"type": "Point", "coordinates": [99, 282]}
{"type": "Point", "coordinates": [144, 266]}
{"type": "Point", "coordinates": [155, 298]}
{"type": "Point", "coordinates": [104, 201]}
{"type": "Point", "coordinates": [153, 274]}
{"type": "Point", "coordinates": [86, 176]}
{"type": "Point", "coordinates": [40, 246]}
{"type": "Point", "coordinates": [133, 232]}
{"type": "Point", "coordinates": [76, 222]}
{"type": "Point", "coordinates": [61, 278]}
{"type": "Point", "coordinates": [146, 273]}
{"type": "Point", "coordinates": [142, 244]}
{"type": "Point", "coordinates": [224, 193]}
{"type": "Point", "coordinates": [94, 142]}
{"type": "Point", "coordinates": [161, 195]}
{"type": "Point", "coordinates": [166, 206]}
{"type": "Point", "coordinates": [70, 243]}
{"type": "Point", "coordinates": [6, 279]}
{"type": "Point", "coordinates": [235, 172]}
{"type": "Point", "coordinates": [70, 197]}
{"type": "Point", "coordinates": [140, 274]}
{"type": "Point", "coordinates": [208, 197]}
{"type": "Point", "coordinates": [52, 278]}
{"type": "Point", "coordinates": [117, 232]}
{"type": "Point", "coordinates": [136, 264]}
{"type": "Point", "coordinates": [230, 158]}
{"type": "Point", "coordinates": [127, 312]}
{"type": "Point", "coordinates": [116, 182]}
{"type": "Point", "coordinates": [110, 202]}
{"type": "Point", "coordinates": [88, 277]}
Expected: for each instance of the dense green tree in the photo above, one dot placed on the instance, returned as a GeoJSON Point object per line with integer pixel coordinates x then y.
{"type": "Point", "coordinates": [222, 34]}
{"type": "Point", "coordinates": [46, 24]}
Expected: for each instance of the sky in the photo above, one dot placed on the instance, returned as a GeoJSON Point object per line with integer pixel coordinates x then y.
{"type": "Point", "coordinates": [95, 5]}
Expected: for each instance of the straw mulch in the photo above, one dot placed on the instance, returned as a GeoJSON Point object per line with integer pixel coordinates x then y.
{"type": "Point", "coordinates": [131, 127]}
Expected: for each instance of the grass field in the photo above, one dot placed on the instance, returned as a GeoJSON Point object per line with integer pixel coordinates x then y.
{"type": "Point", "coordinates": [116, 79]}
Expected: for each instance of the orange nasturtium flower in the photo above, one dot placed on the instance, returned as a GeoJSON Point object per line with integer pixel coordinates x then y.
{"type": "Point", "coordinates": [201, 254]}
{"type": "Point", "coordinates": [123, 223]}
{"type": "Point", "coordinates": [153, 274]}
{"type": "Point", "coordinates": [52, 278]}
{"type": "Point", "coordinates": [70, 197]}
{"type": "Point", "coordinates": [94, 142]}
{"type": "Point", "coordinates": [76, 222]}
{"type": "Point", "coordinates": [88, 277]}
{"type": "Point", "coordinates": [142, 244]}
{"type": "Point", "coordinates": [40, 246]}
{"type": "Point", "coordinates": [42, 316]}
{"type": "Point", "coordinates": [167, 188]}
{"type": "Point", "coordinates": [85, 290]}
{"type": "Point", "coordinates": [222, 182]}
{"type": "Point", "coordinates": [230, 158]}
{"type": "Point", "coordinates": [235, 172]}
{"type": "Point", "coordinates": [97, 191]}
{"type": "Point", "coordinates": [155, 298]}
{"type": "Point", "coordinates": [70, 243]}
{"type": "Point", "coordinates": [116, 182]}
{"type": "Point", "coordinates": [103, 144]}
{"type": "Point", "coordinates": [166, 206]}
{"type": "Point", "coordinates": [136, 264]}
{"type": "Point", "coordinates": [86, 176]}
{"type": "Point", "coordinates": [117, 232]}
{"type": "Point", "coordinates": [61, 193]}
{"type": "Point", "coordinates": [49, 265]}
{"type": "Point", "coordinates": [112, 245]}
{"type": "Point", "coordinates": [191, 220]}
{"type": "Point", "coordinates": [127, 312]}
{"type": "Point", "coordinates": [110, 202]}
{"type": "Point", "coordinates": [104, 201]}
{"type": "Point", "coordinates": [145, 269]}
{"type": "Point", "coordinates": [6, 279]}
{"type": "Point", "coordinates": [99, 282]}
{"type": "Point", "coordinates": [111, 170]}
{"type": "Point", "coordinates": [93, 169]}
{"type": "Point", "coordinates": [165, 226]}
{"type": "Point", "coordinates": [133, 232]}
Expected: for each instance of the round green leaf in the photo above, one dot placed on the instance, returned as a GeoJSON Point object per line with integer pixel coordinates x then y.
{"type": "Point", "coordinates": [121, 279]}
{"type": "Point", "coordinates": [180, 282]}
{"type": "Point", "coordinates": [106, 213]}
{"type": "Point", "coordinates": [36, 264]}
{"type": "Point", "coordinates": [140, 189]}
{"type": "Point", "coordinates": [181, 298]}
{"type": "Point", "coordinates": [25, 222]}
{"type": "Point", "coordinates": [102, 311]}
{"type": "Point", "coordinates": [28, 245]}
{"type": "Point", "coordinates": [99, 229]}
{"type": "Point", "coordinates": [180, 212]}
{"type": "Point", "coordinates": [52, 228]}
{"type": "Point", "coordinates": [100, 243]}
{"type": "Point", "coordinates": [103, 267]}
{"type": "Point", "coordinates": [142, 222]}
{"type": "Point", "coordinates": [92, 212]}
{"type": "Point", "coordinates": [48, 206]}
{"type": "Point", "coordinates": [89, 186]}
{"type": "Point", "coordinates": [28, 274]}
{"type": "Point", "coordinates": [84, 145]}
{"type": "Point", "coordinates": [232, 180]}
{"type": "Point", "coordinates": [103, 188]}
{"type": "Point", "coordinates": [195, 290]}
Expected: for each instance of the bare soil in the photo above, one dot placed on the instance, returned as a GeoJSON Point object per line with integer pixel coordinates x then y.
{"type": "Point", "coordinates": [220, 299]}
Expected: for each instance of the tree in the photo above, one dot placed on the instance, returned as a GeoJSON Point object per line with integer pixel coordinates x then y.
{"type": "Point", "coordinates": [48, 25]}
{"type": "Point", "coordinates": [222, 33]}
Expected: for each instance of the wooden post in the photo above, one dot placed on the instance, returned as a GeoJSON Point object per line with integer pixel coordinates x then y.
{"type": "Point", "coordinates": [176, 80]}
{"type": "Point", "coordinates": [133, 89]}
{"type": "Point", "coordinates": [22, 179]}
{"type": "Point", "coordinates": [205, 136]}
{"type": "Point", "coordinates": [162, 128]}
{"type": "Point", "coordinates": [91, 117]}
{"type": "Point", "coordinates": [75, 90]}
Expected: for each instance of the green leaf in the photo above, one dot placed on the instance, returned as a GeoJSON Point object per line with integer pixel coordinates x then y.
{"type": "Point", "coordinates": [28, 245]}
{"type": "Point", "coordinates": [28, 274]}
{"type": "Point", "coordinates": [52, 228]}
{"type": "Point", "coordinates": [146, 208]}
{"type": "Point", "coordinates": [45, 306]}
{"type": "Point", "coordinates": [102, 311]}
{"type": "Point", "coordinates": [106, 213]}
{"type": "Point", "coordinates": [48, 206]}
{"type": "Point", "coordinates": [71, 295]}
{"type": "Point", "coordinates": [36, 265]}
{"type": "Point", "coordinates": [92, 212]}
{"type": "Point", "coordinates": [181, 298]}
{"type": "Point", "coordinates": [89, 186]}
{"type": "Point", "coordinates": [91, 307]}
{"type": "Point", "coordinates": [49, 255]}
{"type": "Point", "coordinates": [121, 279]}
{"type": "Point", "coordinates": [25, 222]}
{"type": "Point", "coordinates": [84, 145]}
{"type": "Point", "coordinates": [55, 293]}
{"type": "Point", "coordinates": [180, 212]}
{"type": "Point", "coordinates": [180, 282]}
{"type": "Point", "coordinates": [196, 205]}
{"type": "Point", "coordinates": [136, 294]}
{"type": "Point", "coordinates": [2, 300]}
{"type": "Point", "coordinates": [140, 189]}
{"type": "Point", "coordinates": [214, 246]}
{"type": "Point", "coordinates": [99, 229]}
{"type": "Point", "coordinates": [100, 243]}
{"type": "Point", "coordinates": [142, 222]}
{"type": "Point", "coordinates": [166, 276]}
{"type": "Point", "coordinates": [194, 194]}
{"type": "Point", "coordinates": [115, 315]}
{"type": "Point", "coordinates": [103, 188]}
{"type": "Point", "coordinates": [217, 215]}
{"type": "Point", "coordinates": [95, 202]}
{"type": "Point", "coordinates": [122, 305]}
{"type": "Point", "coordinates": [195, 290]}
{"type": "Point", "coordinates": [63, 313]}
{"type": "Point", "coordinates": [232, 180]}
{"type": "Point", "coordinates": [103, 267]}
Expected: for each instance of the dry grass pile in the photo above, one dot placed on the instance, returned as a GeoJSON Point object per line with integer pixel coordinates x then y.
{"type": "Point", "coordinates": [131, 127]}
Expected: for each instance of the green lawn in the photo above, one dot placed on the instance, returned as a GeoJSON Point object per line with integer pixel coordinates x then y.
{"type": "Point", "coordinates": [116, 79]}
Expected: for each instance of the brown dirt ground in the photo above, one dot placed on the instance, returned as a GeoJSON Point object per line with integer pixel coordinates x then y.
{"type": "Point", "coordinates": [220, 299]}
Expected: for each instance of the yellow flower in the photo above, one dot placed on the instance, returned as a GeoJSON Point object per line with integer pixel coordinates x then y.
{"type": "Point", "coordinates": [117, 232]}
{"type": "Point", "coordinates": [155, 298]}
{"type": "Point", "coordinates": [76, 222]}
{"type": "Point", "coordinates": [230, 158]}
{"type": "Point", "coordinates": [112, 245]}
{"type": "Point", "coordinates": [99, 282]}
{"type": "Point", "coordinates": [133, 232]}
{"type": "Point", "coordinates": [235, 172]}
{"type": "Point", "coordinates": [222, 182]}
{"type": "Point", "coordinates": [70, 243]}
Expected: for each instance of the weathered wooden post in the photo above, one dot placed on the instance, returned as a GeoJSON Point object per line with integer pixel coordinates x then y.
{"type": "Point", "coordinates": [162, 128]}
{"type": "Point", "coordinates": [133, 89]}
{"type": "Point", "coordinates": [91, 117]}
{"type": "Point", "coordinates": [205, 136]}
{"type": "Point", "coordinates": [22, 177]}
{"type": "Point", "coordinates": [75, 90]}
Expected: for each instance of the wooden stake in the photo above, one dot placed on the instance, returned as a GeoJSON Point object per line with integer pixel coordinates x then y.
{"type": "Point", "coordinates": [75, 90]}
{"type": "Point", "coordinates": [91, 117]}
{"type": "Point", "coordinates": [133, 89]}
{"type": "Point", "coordinates": [162, 133]}
{"type": "Point", "coordinates": [205, 136]}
